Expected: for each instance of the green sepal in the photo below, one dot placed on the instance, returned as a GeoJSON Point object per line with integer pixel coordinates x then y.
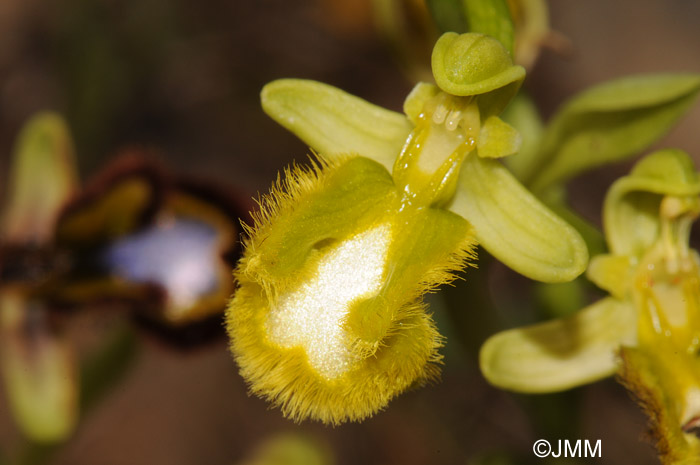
{"type": "Point", "coordinates": [610, 122]}
{"type": "Point", "coordinates": [491, 17]}
{"type": "Point", "coordinates": [560, 354]}
{"type": "Point", "coordinates": [42, 178]}
{"type": "Point", "coordinates": [631, 208]}
{"type": "Point", "coordinates": [497, 139]}
{"type": "Point", "coordinates": [514, 226]}
{"type": "Point", "coordinates": [334, 122]}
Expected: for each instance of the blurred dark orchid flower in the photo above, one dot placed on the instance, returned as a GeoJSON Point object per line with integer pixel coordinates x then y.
{"type": "Point", "coordinates": [134, 238]}
{"type": "Point", "coordinates": [164, 245]}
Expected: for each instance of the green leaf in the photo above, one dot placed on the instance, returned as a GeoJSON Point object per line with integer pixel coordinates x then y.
{"type": "Point", "coordinates": [515, 226]}
{"type": "Point", "coordinates": [491, 17]}
{"type": "Point", "coordinates": [560, 354]}
{"type": "Point", "coordinates": [42, 177]}
{"type": "Point", "coordinates": [608, 123]}
{"type": "Point", "coordinates": [334, 122]}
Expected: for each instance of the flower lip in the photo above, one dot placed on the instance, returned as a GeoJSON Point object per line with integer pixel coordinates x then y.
{"type": "Point", "coordinates": [328, 321]}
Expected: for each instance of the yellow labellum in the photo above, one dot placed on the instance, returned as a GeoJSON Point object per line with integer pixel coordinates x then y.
{"type": "Point", "coordinates": [328, 321]}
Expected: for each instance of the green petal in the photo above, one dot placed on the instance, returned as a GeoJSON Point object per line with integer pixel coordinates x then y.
{"type": "Point", "coordinates": [515, 226]}
{"type": "Point", "coordinates": [334, 122]}
{"type": "Point", "coordinates": [631, 209]}
{"type": "Point", "coordinates": [560, 354]}
{"type": "Point", "coordinates": [614, 273]}
{"type": "Point", "coordinates": [497, 139]}
{"type": "Point", "coordinates": [609, 122]}
{"type": "Point", "coordinates": [43, 176]}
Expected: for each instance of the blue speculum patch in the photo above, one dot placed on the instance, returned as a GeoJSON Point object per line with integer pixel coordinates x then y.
{"type": "Point", "coordinates": [178, 255]}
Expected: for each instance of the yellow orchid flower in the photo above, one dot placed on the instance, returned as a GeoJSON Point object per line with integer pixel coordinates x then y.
{"type": "Point", "coordinates": [648, 329]}
{"type": "Point", "coordinates": [328, 320]}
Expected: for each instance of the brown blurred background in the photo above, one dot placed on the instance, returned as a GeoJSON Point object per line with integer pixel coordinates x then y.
{"type": "Point", "coordinates": [183, 77]}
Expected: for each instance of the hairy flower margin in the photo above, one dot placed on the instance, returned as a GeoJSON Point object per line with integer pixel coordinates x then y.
{"type": "Point", "coordinates": [648, 329]}
{"type": "Point", "coordinates": [328, 321]}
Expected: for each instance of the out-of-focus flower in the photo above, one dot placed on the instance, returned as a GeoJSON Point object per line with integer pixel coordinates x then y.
{"type": "Point", "coordinates": [648, 329]}
{"type": "Point", "coordinates": [328, 321]}
{"type": "Point", "coordinates": [139, 235]}
{"type": "Point", "coordinates": [135, 236]}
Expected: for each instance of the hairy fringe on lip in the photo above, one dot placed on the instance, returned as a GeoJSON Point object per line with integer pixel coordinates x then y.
{"type": "Point", "coordinates": [388, 363]}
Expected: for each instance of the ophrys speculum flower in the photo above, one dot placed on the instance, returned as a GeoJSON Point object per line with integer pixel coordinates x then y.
{"type": "Point", "coordinates": [648, 329]}
{"type": "Point", "coordinates": [328, 321]}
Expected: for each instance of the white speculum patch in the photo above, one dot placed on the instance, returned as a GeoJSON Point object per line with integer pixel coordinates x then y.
{"type": "Point", "coordinates": [311, 316]}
